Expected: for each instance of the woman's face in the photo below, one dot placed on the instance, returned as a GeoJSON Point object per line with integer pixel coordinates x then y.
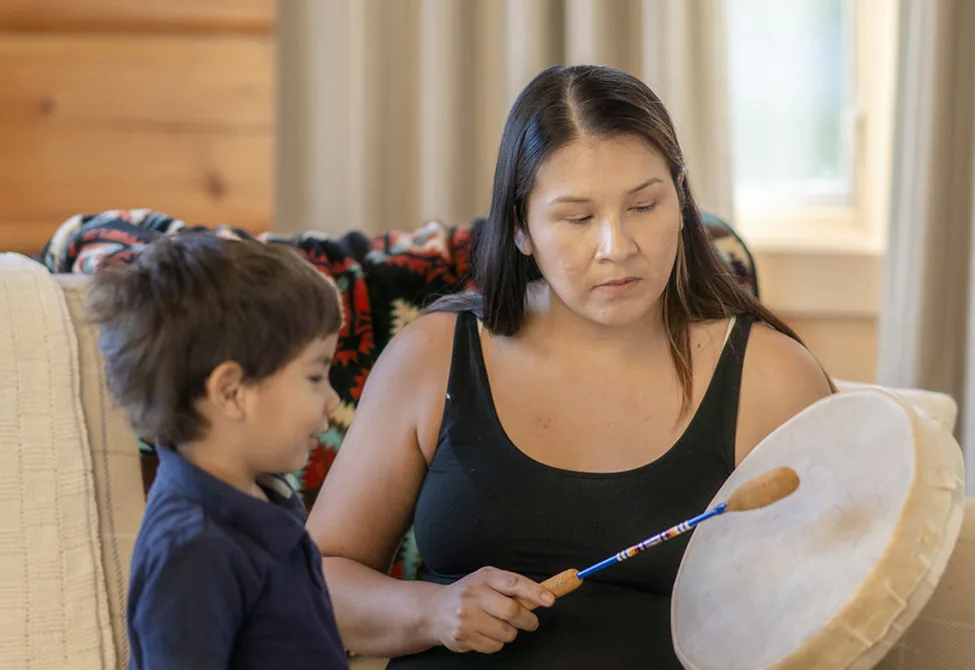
{"type": "Point", "coordinates": [603, 225]}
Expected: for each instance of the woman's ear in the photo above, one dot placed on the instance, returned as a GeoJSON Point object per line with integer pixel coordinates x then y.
{"type": "Point", "coordinates": [225, 390]}
{"type": "Point", "coordinates": [522, 241]}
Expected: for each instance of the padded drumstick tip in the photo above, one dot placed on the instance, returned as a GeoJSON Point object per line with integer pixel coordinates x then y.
{"type": "Point", "coordinates": [565, 582]}
{"type": "Point", "coordinates": [764, 490]}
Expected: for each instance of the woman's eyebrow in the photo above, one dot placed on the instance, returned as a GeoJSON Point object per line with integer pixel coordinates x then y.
{"type": "Point", "coordinates": [578, 199]}
{"type": "Point", "coordinates": [648, 182]}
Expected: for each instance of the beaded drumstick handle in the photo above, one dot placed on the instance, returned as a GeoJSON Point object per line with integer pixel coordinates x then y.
{"type": "Point", "coordinates": [753, 494]}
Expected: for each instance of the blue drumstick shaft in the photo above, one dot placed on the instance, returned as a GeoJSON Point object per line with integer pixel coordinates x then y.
{"type": "Point", "coordinates": [668, 534]}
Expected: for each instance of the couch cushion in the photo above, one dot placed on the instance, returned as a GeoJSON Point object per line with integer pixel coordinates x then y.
{"type": "Point", "coordinates": [943, 636]}
{"type": "Point", "coordinates": [53, 599]}
{"type": "Point", "coordinates": [115, 461]}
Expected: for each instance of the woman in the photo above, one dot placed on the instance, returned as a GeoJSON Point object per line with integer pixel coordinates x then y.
{"type": "Point", "coordinates": [599, 389]}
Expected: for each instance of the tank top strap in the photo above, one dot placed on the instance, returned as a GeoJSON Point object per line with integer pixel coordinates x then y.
{"type": "Point", "coordinates": [467, 390]}
{"type": "Point", "coordinates": [737, 342]}
{"type": "Point", "coordinates": [728, 382]}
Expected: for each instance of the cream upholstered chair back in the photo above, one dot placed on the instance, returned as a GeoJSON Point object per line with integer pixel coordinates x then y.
{"type": "Point", "coordinates": [941, 406]}
{"type": "Point", "coordinates": [117, 473]}
{"type": "Point", "coordinates": [72, 507]}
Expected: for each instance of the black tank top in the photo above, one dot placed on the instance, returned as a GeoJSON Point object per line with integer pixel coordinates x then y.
{"type": "Point", "coordinates": [485, 502]}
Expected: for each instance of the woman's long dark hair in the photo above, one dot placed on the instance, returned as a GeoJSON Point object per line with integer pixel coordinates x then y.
{"type": "Point", "coordinates": [559, 105]}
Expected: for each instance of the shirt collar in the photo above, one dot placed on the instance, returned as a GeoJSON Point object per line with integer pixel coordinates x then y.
{"type": "Point", "coordinates": [277, 525]}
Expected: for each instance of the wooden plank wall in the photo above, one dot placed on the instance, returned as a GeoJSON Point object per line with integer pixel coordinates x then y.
{"type": "Point", "coordinates": [119, 104]}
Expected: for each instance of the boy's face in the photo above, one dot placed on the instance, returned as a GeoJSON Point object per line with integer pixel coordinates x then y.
{"type": "Point", "coordinates": [288, 410]}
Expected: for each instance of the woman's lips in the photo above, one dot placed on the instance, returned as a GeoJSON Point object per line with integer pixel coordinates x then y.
{"type": "Point", "coordinates": [618, 286]}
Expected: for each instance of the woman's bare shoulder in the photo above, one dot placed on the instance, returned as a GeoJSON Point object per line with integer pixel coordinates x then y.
{"type": "Point", "coordinates": [409, 381]}
{"type": "Point", "coordinates": [780, 378]}
{"type": "Point", "coordinates": [424, 340]}
{"type": "Point", "coordinates": [415, 363]}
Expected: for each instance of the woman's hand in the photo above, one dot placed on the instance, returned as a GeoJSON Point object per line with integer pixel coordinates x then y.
{"type": "Point", "coordinates": [480, 613]}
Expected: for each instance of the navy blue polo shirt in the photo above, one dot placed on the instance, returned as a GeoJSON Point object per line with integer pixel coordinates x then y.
{"type": "Point", "coordinates": [223, 580]}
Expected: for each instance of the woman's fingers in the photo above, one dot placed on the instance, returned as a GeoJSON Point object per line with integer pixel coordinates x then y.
{"type": "Point", "coordinates": [516, 586]}
{"type": "Point", "coordinates": [506, 610]}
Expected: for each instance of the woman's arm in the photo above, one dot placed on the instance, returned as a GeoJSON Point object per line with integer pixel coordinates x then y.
{"type": "Point", "coordinates": [366, 506]}
{"type": "Point", "coordinates": [780, 378]}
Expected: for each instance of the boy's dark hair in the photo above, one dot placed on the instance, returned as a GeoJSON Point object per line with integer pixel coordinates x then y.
{"type": "Point", "coordinates": [192, 301]}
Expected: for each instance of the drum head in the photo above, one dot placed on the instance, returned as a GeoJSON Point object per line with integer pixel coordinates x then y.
{"type": "Point", "coordinates": [830, 576]}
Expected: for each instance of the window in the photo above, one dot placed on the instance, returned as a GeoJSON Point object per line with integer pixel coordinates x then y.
{"type": "Point", "coordinates": [810, 84]}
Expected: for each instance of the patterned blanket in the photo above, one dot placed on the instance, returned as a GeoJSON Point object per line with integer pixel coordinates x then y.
{"type": "Point", "coordinates": [385, 280]}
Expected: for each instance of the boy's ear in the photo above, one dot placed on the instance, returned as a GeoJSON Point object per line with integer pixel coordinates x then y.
{"type": "Point", "coordinates": [225, 390]}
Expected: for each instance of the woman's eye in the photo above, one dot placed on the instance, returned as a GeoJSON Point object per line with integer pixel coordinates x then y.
{"type": "Point", "coordinates": [643, 209]}
{"type": "Point", "coordinates": [580, 219]}
{"type": "Point", "coordinates": [316, 379]}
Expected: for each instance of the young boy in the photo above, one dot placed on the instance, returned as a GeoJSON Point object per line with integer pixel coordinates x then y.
{"type": "Point", "coordinates": [220, 350]}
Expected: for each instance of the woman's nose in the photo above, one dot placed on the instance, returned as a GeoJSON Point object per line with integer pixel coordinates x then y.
{"type": "Point", "coordinates": [615, 241]}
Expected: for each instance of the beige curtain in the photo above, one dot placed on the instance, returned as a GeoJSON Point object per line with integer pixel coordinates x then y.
{"type": "Point", "coordinates": [391, 111]}
{"type": "Point", "coordinates": [927, 325]}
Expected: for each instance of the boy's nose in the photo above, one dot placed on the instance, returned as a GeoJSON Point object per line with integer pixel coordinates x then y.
{"type": "Point", "coordinates": [331, 403]}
